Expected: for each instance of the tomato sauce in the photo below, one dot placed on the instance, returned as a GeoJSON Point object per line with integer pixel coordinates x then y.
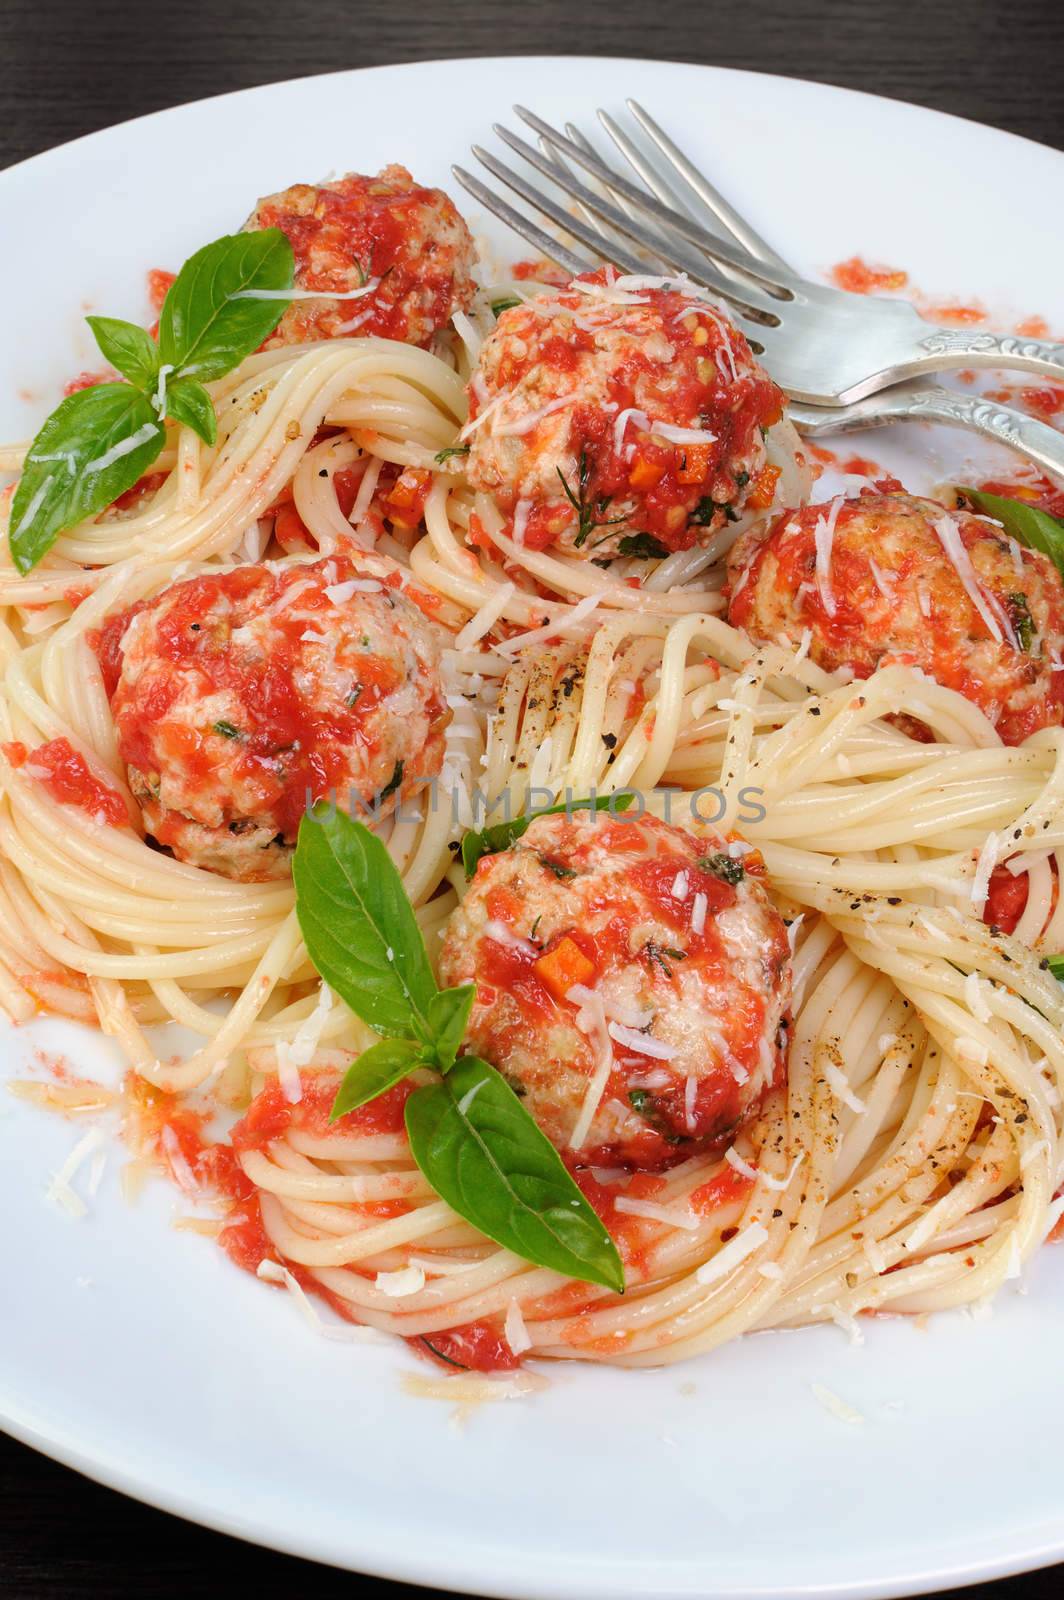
{"type": "Point", "coordinates": [89, 380]}
{"type": "Point", "coordinates": [159, 281]}
{"type": "Point", "coordinates": [476, 1347]}
{"type": "Point", "coordinates": [727, 1188]}
{"type": "Point", "coordinates": [66, 775]}
{"type": "Point", "coordinates": [270, 1115]}
{"type": "Point", "coordinates": [858, 277]}
{"type": "Point", "coordinates": [1034, 488]}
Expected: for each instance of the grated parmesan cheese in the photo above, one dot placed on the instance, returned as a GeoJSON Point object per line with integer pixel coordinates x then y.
{"type": "Point", "coordinates": [483, 620]}
{"type": "Point", "coordinates": [644, 1043]}
{"type": "Point", "coordinates": [840, 1087]}
{"type": "Point", "coordinates": [838, 1407]}
{"type": "Point", "coordinates": [398, 1285]}
{"type": "Point", "coordinates": [670, 1216]}
{"type": "Point", "coordinates": [823, 538]}
{"type": "Point", "coordinates": [516, 1330]}
{"type": "Point", "coordinates": [733, 1254]}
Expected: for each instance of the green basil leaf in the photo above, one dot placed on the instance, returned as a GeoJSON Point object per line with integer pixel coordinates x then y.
{"type": "Point", "coordinates": [93, 447]}
{"type": "Point", "coordinates": [377, 1069]}
{"type": "Point", "coordinates": [482, 1152]}
{"type": "Point", "coordinates": [1038, 530]}
{"type": "Point", "coordinates": [1055, 966]}
{"type": "Point", "coordinates": [448, 1019]}
{"type": "Point", "coordinates": [187, 401]}
{"type": "Point", "coordinates": [359, 927]}
{"type": "Point", "coordinates": [129, 349]}
{"type": "Point", "coordinates": [502, 834]}
{"type": "Point", "coordinates": [207, 325]}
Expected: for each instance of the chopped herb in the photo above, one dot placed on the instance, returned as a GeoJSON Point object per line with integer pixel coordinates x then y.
{"type": "Point", "coordinates": [602, 561]}
{"type": "Point", "coordinates": [506, 303]}
{"type": "Point", "coordinates": [643, 545]}
{"type": "Point", "coordinates": [724, 868]}
{"type": "Point", "coordinates": [590, 510]}
{"type": "Point", "coordinates": [352, 698]}
{"type": "Point", "coordinates": [642, 1101]}
{"type": "Point", "coordinates": [438, 1353]}
{"type": "Point", "coordinates": [1021, 619]}
{"type": "Point", "coordinates": [393, 782]}
{"type": "Point", "coordinates": [1055, 965]}
{"type": "Point", "coordinates": [532, 930]}
{"type": "Point", "coordinates": [741, 480]}
{"type": "Point", "coordinates": [557, 867]}
{"type": "Point", "coordinates": [707, 508]}
{"type": "Point", "coordinates": [657, 953]}
{"type": "Point", "coordinates": [442, 456]}
{"type": "Point", "coordinates": [227, 730]}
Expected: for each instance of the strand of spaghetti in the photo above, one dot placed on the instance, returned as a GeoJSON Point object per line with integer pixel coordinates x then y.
{"type": "Point", "coordinates": [199, 1066]}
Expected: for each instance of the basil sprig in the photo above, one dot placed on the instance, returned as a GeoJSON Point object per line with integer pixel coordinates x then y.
{"type": "Point", "coordinates": [501, 835]}
{"type": "Point", "coordinates": [469, 1133]}
{"type": "Point", "coordinates": [97, 443]}
{"type": "Point", "coordinates": [1038, 530]}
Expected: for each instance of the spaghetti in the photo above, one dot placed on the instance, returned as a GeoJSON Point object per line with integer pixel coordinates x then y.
{"type": "Point", "coordinates": [908, 1157]}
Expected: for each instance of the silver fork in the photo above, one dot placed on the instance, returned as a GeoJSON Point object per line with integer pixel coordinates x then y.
{"type": "Point", "coordinates": [918, 399]}
{"type": "Point", "coordinates": [796, 325]}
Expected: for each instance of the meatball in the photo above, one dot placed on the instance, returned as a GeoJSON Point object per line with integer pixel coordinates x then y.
{"type": "Point", "coordinates": [628, 966]}
{"type": "Point", "coordinates": [620, 416]}
{"type": "Point", "coordinates": [242, 696]}
{"type": "Point", "coordinates": [405, 246]}
{"type": "Point", "coordinates": [888, 577]}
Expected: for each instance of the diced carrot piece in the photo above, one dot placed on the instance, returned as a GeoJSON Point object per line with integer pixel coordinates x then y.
{"type": "Point", "coordinates": [407, 499]}
{"type": "Point", "coordinates": [763, 489]}
{"type": "Point", "coordinates": [697, 462]}
{"type": "Point", "coordinates": [560, 968]}
{"type": "Point", "coordinates": [644, 474]}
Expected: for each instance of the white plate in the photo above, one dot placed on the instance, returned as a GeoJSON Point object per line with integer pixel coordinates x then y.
{"type": "Point", "coordinates": [172, 1376]}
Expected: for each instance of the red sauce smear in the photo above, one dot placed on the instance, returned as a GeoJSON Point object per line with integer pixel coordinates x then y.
{"type": "Point", "coordinates": [65, 774]}
{"type": "Point", "coordinates": [478, 1347]}
{"type": "Point", "coordinates": [858, 277]}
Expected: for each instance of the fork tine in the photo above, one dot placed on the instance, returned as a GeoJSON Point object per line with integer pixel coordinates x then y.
{"type": "Point", "coordinates": [741, 231]}
{"type": "Point", "coordinates": [574, 133]}
{"type": "Point", "coordinates": [564, 176]}
{"type": "Point", "coordinates": [764, 286]}
{"type": "Point", "coordinates": [543, 242]}
{"type": "Point", "coordinates": [755, 306]}
{"type": "Point", "coordinates": [557, 214]}
{"type": "Point", "coordinates": [655, 182]}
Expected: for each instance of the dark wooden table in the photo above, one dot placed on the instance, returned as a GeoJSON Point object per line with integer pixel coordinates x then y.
{"type": "Point", "coordinates": [68, 69]}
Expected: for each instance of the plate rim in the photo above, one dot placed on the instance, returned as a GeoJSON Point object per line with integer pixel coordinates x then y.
{"type": "Point", "coordinates": [23, 1422]}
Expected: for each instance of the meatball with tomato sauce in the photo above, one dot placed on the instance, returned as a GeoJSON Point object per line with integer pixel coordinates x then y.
{"type": "Point", "coordinates": [402, 249]}
{"type": "Point", "coordinates": [633, 984]}
{"type": "Point", "coordinates": [888, 577]}
{"type": "Point", "coordinates": [620, 416]}
{"type": "Point", "coordinates": [240, 697]}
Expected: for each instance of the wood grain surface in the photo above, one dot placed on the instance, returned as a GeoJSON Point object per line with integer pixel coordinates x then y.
{"type": "Point", "coordinates": [66, 70]}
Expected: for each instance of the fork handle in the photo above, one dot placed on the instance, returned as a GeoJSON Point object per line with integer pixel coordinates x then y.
{"type": "Point", "coordinates": [924, 402]}
{"type": "Point", "coordinates": [971, 349]}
